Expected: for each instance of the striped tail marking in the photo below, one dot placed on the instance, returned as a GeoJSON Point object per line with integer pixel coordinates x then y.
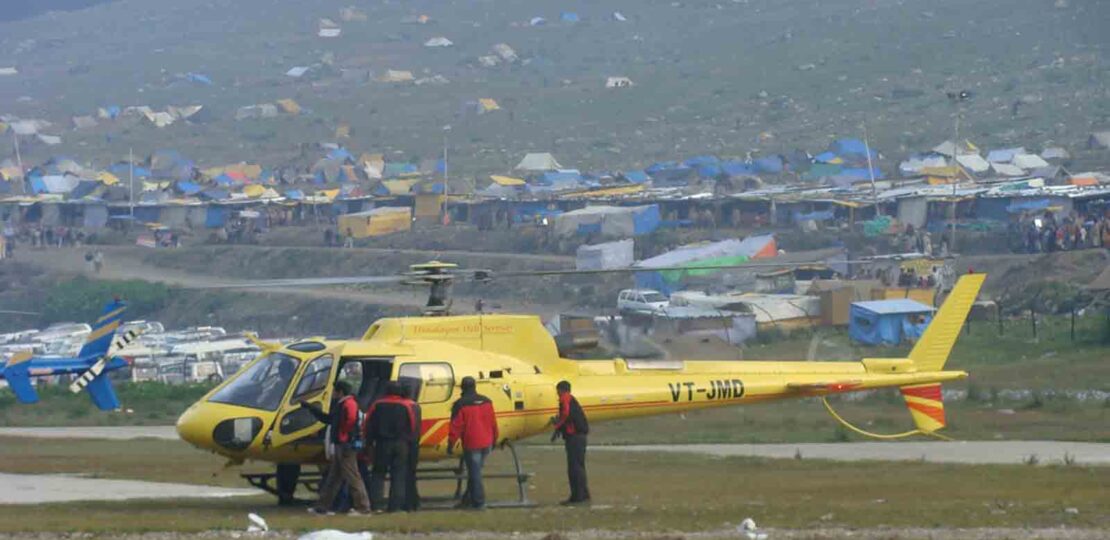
{"type": "Point", "coordinates": [926, 405]}
{"type": "Point", "coordinates": [120, 342]}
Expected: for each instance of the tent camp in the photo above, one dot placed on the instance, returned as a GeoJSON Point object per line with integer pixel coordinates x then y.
{"type": "Point", "coordinates": [888, 322]}
{"type": "Point", "coordinates": [605, 256]}
{"type": "Point", "coordinates": [377, 222]}
{"type": "Point", "coordinates": [538, 162]}
{"type": "Point", "coordinates": [609, 221]}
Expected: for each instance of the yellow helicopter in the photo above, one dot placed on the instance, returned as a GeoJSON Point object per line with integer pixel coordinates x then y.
{"type": "Point", "coordinates": [255, 414]}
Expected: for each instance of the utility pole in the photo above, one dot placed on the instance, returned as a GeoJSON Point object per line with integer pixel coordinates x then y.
{"type": "Point", "coordinates": [871, 170]}
{"type": "Point", "coordinates": [446, 182]}
{"type": "Point", "coordinates": [19, 163]}
{"type": "Point", "coordinates": [955, 179]}
{"type": "Point", "coordinates": [131, 180]}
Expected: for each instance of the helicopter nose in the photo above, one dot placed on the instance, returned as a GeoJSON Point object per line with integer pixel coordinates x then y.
{"type": "Point", "coordinates": [214, 427]}
{"type": "Point", "coordinates": [194, 427]}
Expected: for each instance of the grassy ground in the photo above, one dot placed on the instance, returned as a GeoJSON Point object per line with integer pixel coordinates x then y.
{"type": "Point", "coordinates": [632, 493]}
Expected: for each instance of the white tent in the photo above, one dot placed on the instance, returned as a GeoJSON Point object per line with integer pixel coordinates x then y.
{"type": "Point", "coordinates": [617, 16]}
{"type": "Point", "coordinates": [1029, 161]}
{"type": "Point", "coordinates": [1006, 169]}
{"type": "Point", "coordinates": [49, 139]}
{"type": "Point", "coordinates": [438, 42]}
{"type": "Point", "coordinates": [605, 256]}
{"type": "Point", "coordinates": [392, 75]}
{"type": "Point", "coordinates": [329, 32]}
{"type": "Point", "coordinates": [1055, 152]}
{"type": "Point", "coordinates": [618, 82]}
{"type": "Point", "coordinates": [974, 163]}
{"type": "Point", "coordinates": [297, 72]}
{"type": "Point", "coordinates": [538, 162]}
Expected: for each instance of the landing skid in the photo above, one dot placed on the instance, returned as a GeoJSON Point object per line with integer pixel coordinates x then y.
{"type": "Point", "coordinates": [284, 482]}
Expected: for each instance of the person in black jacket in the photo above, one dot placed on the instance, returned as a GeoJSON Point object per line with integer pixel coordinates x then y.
{"type": "Point", "coordinates": [391, 427]}
{"type": "Point", "coordinates": [412, 503]}
{"type": "Point", "coordinates": [571, 424]}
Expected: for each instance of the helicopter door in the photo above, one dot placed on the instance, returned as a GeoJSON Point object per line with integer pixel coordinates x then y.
{"type": "Point", "coordinates": [314, 386]}
{"type": "Point", "coordinates": [543, 403]}
{"type": "Point", "coordinates": [508, 401]}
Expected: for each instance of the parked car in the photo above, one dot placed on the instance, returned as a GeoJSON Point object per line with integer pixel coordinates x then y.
{"type": "Point", "coordinates": [645, 300]}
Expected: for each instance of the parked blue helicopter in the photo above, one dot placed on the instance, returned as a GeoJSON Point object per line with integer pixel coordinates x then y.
{"type": "Point", "coordinates": [96, 358]}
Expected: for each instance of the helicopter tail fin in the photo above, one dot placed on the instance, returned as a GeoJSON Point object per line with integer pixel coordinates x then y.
{"type": "Point", "coordinates": [926, 405]}
{"type": "Point", "coordinates": [935, 345]}
{"type": "Point", "coordinates": [16, 373]}
{"type": "Point", "coordinates": [925, 401]}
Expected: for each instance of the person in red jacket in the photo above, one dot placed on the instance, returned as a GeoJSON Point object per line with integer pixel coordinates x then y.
{"type": "Point", "coordinates": [572, 425]}
{"type": "Point", "coordinates": [474, 422]}
{"type": "Point", "coordinates": [347, 437]}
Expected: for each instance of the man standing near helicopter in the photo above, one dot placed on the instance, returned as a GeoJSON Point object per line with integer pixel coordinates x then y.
{"type": "Point", "coordinates": [346, 435]}
{"type": "Point", "coordinates": [474, 422]}
{"type": "Point", "coordinates": [572, 426]}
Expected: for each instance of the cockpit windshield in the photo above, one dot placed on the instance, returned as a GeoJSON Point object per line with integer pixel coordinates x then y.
{"type": "Point", "coordinates": [260, 386]}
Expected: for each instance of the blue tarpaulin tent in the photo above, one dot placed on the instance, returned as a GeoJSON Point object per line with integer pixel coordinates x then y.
{"type": "Point", "coordinates": [215, 194]}
{"type": "Point", "coordinates": [148, 214]}
{"type": "Point", "coordinates": [709, 170]}
{"type": "Point", "coordinates": [636, 177]}
{"type": "Point", "coordinates": [294, 195]}
{"type": "Point", "coordinates": [188, 188]}
{"type": "Point", "coordinates": [769, 164]}
{"type": "Point", "coordinates": [1034, 205]}
{"type": "Point", "coordinates": [569, 16]}
{"type": "Point", "coordinates": [215, 217]}
{"type": "Point", "coordinates": [737, 168]}
{"type": "Point", "coordinates": [888, 322]}
{"type": "Point", "coordinates": [861, 173]}
{"type": "Point", "coordinates": [852, 150]}
{"type": "Point", "coordinates": [698, 161]}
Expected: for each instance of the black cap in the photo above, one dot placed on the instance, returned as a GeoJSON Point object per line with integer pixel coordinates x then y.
{"type": "Point", "coordinates": [468, 383]}
{"type": "Point", "coordinates": [343, 386]}
{"type": "Point", "coordinates": [563, 386]}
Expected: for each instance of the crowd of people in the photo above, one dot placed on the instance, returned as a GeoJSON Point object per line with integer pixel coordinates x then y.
{"type": "Point", "coordinates": [1048, 233]}
{"type": "Point", "coordinates": [366, 447]}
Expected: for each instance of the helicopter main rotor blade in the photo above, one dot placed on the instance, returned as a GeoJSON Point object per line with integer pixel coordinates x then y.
{"type": "Point", "coordinates": [16, 312]}
{"type": "Point", "coordinates": [635, 269]}
{"type": "Point", "coordinates": [309, 282]}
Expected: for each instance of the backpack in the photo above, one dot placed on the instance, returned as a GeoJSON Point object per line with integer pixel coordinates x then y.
{"type": "Point", "coordinates": [357, 437]}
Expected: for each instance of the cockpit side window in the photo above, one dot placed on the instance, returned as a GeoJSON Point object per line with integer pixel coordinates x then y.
{"type": "Point", "coordinates": [437, 379]}
{"type": "Point", "coordinates": [262, 385]}
{"type": "Point", "coordinates": [314, 380]}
